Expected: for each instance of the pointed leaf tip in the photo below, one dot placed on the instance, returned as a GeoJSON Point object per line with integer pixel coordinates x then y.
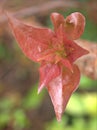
{"type": "Point", "coordinates": [61, 88]}
{"type": "Point", "coordinates": [59, 116]}
{"type": "Point", "coordinates": [40, 88]}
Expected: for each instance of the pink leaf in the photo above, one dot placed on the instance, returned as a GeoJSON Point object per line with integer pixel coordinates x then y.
{"type": "Point", "coordinates": [47, 73]}
{"type": "Point", "coordinates": [73, 50]}
{"type": "Point", "coordinates": [74, 25]}
{"type": "Point", "coordinates": [55, 92]}
{"type": "Point", "coordinates": [33, 41]}
{"type": "Point", "coordinates": [61, 88]}
{"type": "Point", "coordinates": [57, 19]}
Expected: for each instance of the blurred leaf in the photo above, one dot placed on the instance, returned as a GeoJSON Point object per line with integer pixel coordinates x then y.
{"type": "Point", "coordinates": [33, 100]}
{"type": "Point", "coordinates": [5, 104]}
{"type": "Point", "coordinates": [20, 119]}
{"type": "Point", "coordinates": [79, 124]}
{"type": "Point", "coordinates": [86, 82]}
{"type": "Point", "coordinates": [75, 105]}
{"type": "Point", "coordinates": [2, 51]}
{"type": "Point", "coordinates": [55, 125]}
{"type": "Point", "coordinates": [93, 123]}
{"type": "Point", "coordinates": [4, 119]}
{"type": "Point", "coordinates": [90, 32]}
{"type": "Point", "coordinates": [90, 101]}
{"type": "Point", "coordinates": [5, 53]}
{"type": "Point", "coordinates": [81, 104]}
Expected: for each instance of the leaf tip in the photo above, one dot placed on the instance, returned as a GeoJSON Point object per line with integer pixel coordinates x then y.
{"type": "Point", "coordinates": [59, 116]}
{"type": "Point", "coordinates": [40, 88]}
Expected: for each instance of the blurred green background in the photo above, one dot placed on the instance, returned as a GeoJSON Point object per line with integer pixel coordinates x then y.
{"type": "Point", "coordinates": [21, 108]}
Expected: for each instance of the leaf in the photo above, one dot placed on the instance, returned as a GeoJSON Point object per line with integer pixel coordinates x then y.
{"type": "Point", "coordinates": [74, 25]}
{"type": "Point", "coordinates": [61, 88]}
{"type": "Point", "coordinates": [74, 51]}
{"type": "Point", "coordinates": [57, 19]}
{"type": "Point", "coordinates": [47, 73]}
{"type": "Point", "coordinates": [33, 41]}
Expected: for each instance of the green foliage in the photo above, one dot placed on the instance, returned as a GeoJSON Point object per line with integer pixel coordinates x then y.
{"type": "Point", "coordinates": [78, 123]}
{"type": "Point", "coordinates": [20, 118]}
{"type": "Point", "coordinates": [54, 125]}
{"type": "Point", "coordinates": [17, 116]}
{"type": "Point", "coordinates": [90, 32]}
{"type": "Point", "coordinates": [4, 119]}
{"type": "Point", "coordinates": [83, 104]}
{"type": "Point", "coordinates": [10, 113]}
{"type": "Point", "coordinates": [4, 52]}
{"type": "Point", "coordinates": [33, 100]}
{"type": "Point", "coordinates": [5, 103]}
{"type": "Point", "coordinates": [5, 107]}
{"type": "Point", "coordinates": [87, 83]}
